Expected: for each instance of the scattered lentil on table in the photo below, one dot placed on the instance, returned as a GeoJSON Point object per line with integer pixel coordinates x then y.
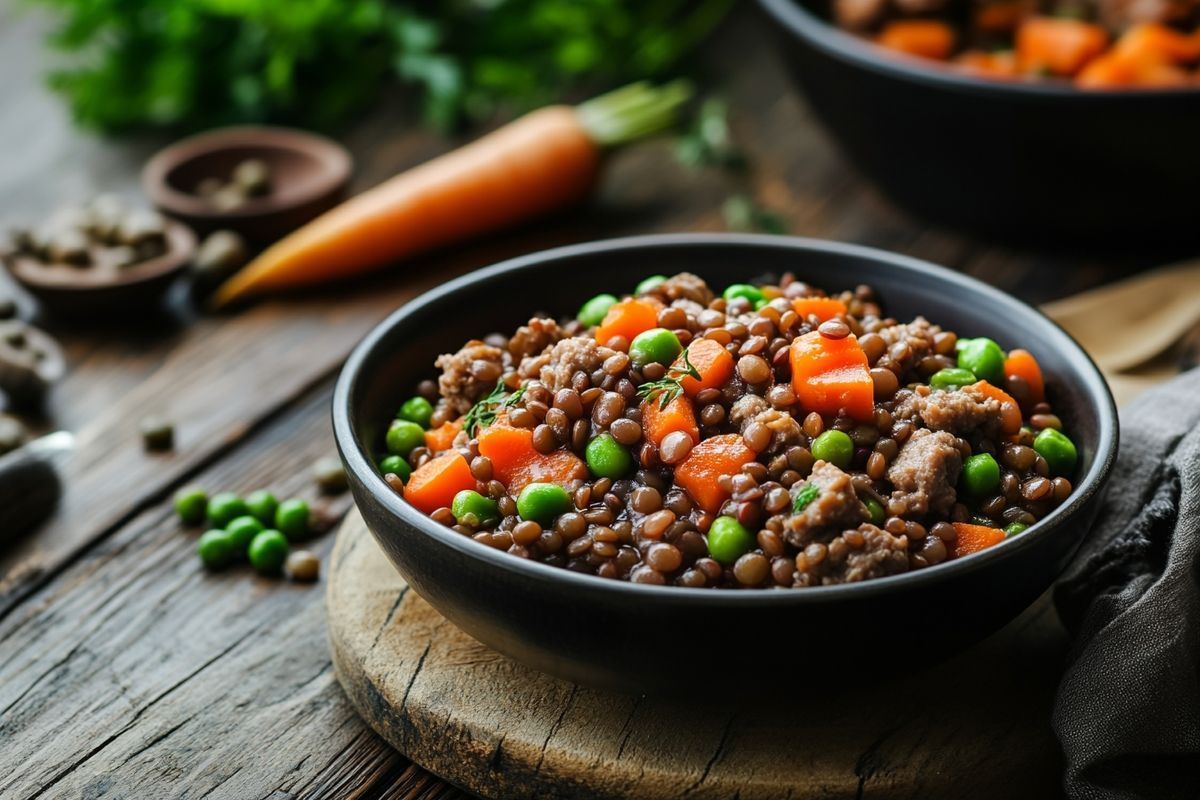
{"type": "Point", "coordinates": [768, 436]}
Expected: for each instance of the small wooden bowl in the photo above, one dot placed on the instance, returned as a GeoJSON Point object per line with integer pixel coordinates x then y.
{"type": "Point", "coordinates": [28, 371]}
{"type": "Point", "coordinates": [309, 176]}
{"type": "Point", "coordinates": [96, 291]}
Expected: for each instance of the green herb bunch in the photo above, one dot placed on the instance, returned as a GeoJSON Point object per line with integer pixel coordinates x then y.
{"type": "Point", "coordinates": [196, 63]}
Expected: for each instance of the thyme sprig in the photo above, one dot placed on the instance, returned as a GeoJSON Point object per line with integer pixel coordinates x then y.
{"type": "Point", "coordinates": [484, 413]}
{"type": "Point", "coordinates": [670, 386]}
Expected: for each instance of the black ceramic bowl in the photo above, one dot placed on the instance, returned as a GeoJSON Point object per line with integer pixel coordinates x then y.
{"type": "Point", "coordinates": [638, 638]}
{"type": "Point", "coordinates": [1030, 160]}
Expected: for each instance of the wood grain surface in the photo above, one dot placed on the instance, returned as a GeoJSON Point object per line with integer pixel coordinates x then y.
{"type": "Point", "coordinates": [977, 725]}
{"type": "Point", "coordinates": [127, 672]}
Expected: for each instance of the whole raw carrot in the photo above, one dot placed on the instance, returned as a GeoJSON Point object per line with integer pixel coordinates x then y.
{"type": "Point", "coordinates": [541, 162]}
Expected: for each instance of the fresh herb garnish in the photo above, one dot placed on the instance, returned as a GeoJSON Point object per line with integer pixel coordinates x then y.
{"type": "Point", "coordinates": [484, 413]}
{"type": "Point", "coordinates": [805, 496]}
{"type": "Point", "coordinates": [670, 386]}
{"type": "Point", "coordinates": [744, 213]}
{"type": "Point", "coordinates": [709, 143]}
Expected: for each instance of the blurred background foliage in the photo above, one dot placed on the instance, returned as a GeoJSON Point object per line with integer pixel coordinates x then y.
{"type": "Point", "coordinates": [190, 64]}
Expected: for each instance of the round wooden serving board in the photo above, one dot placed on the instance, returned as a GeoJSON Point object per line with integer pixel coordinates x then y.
{"type": "Point", "coordinates": [977, 725]}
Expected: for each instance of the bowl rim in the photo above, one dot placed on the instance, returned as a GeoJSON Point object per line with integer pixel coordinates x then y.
{"type": "Point", "coordinates": [357, 461]}
{"type": "Point", "coordinates": [822, 35]}
{"type": "Point", "coordinates": [337, 166]}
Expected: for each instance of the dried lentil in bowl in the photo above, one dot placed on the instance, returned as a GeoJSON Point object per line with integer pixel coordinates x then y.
{"type": "Point", "coordinates": [770, 436]}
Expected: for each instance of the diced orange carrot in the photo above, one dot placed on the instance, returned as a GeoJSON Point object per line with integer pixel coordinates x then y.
{"type": "Point", "coordinates": [699, 473]}
{"type": "Point", "coordinates": [434, 484]}
{"type": "Point", "coordinates": [831, 375]}
{"type": "Point", "coordinates": [679, 415]}
{"type": "Point", "coordinates": [516, 462]}
{"type": "Point", "coordinates": [1000, 17]}
{"type": "Point", "coordinates": [711, 360]}
{"type": "Point", "coordinates": [1154, 41]}
{"type": "Point", "coordinates": [973, 538]}
{"type": "Point", "coordinates": [999, 64]}
{"type": "Point", "coordinates": [1058, 45]}
{"type": "Point", "coordinates": [1114, 71]}
{"type": "Point", "coordinates": [442, 437]}
{"type": "Point", "coordinates": [1010, 411]}
{"type": "Point", "coordinates": [926, 38]}
{"type": "Point", "coordinates": [628, 318]}
{"type": "Point", "coordinates": [823, 307]}
{"type": "Point", "coordinates": [1022, 364]}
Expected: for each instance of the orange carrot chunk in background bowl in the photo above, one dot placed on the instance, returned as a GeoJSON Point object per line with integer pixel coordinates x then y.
{"type": "Point", "coordinates": [926, 38]}
{"type": "Point", "coordinates": [1058, 46]}
{"type": "Point", "coordinates": [831, 375]}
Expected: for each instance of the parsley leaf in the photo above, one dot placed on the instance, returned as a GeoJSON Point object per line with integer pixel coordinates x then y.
{"type": "Point", "coordinates": [805, 496]}
{"type": "Point", "coordinates": [670, 386]}
{"type": "Point", "coordinates": [484, 413]}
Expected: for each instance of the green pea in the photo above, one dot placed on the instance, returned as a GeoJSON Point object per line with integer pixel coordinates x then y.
{"type": "Point", "coordinates": [728, 540]}
{"type": "Point", "coordinates": [1014, 528]}
{"type": "Point", "coordinates": [951, 379]}
{"type": "Point", "coordinates": [471, 508]}
{"type": "Point", "coordinates": [224, 508]}
{"type": "Point", "coordinates": [418, 410]}
{"type": "Point", "coordinates": [216, 549]}
{"type": "Point", "coordinates": [650, 284]}
{"type": "Point", "coordinates": [403, 436]}
{"type": "Point", "coordinates": [655, 346]}
{"type": "Point", "coordinates": [292, 518]}
{"type": "Point", "coordinates": [268, 551]}
{"type": "Point", "coordinates": [744, 290]}
{"type": "Point", "coordinates": [242, 531]}
{"type": "Point", "coordinates": [593, 311]}
{"type": "Point", "coordinates": [876, 510]}
{"type": "Point", "coordinates": [983, 357]}
{"type": "Point", "coordinates": [191, 504]}
{"type": "Point", "coordinates": [1059, 451]}
{"type": "Point", "coordinates": [395, 465]}
{"type": "Point", "coordinates": [980, 474]}
{"type": "Point", "coordinates": [835, 447]}
{"type": "Point", "coordinates": [262, 505]}
{"type": "Point", "coordinates": [542, 502]}
{"type": "Point", "coordinates": [606, 458]}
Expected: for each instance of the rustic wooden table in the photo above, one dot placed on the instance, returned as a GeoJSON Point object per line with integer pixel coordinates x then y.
{"type": "Point", "coordinates": [125, 670]}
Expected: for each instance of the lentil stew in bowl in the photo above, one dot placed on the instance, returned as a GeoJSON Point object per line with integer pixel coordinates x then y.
{"type": "Point", "coordinates": [770, 435]}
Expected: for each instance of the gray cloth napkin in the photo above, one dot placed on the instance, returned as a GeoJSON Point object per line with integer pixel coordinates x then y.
{"type": "Point", "coordinates": [1128, 707]}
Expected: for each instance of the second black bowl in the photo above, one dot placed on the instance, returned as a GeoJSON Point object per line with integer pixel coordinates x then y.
{"type": "Point", "coordinates": [1026, 160]}
{"type": "Point", "coordinates": [637, 637]}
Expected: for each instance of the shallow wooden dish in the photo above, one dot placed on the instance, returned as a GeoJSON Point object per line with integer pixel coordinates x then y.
{"type": "Point", "coordinates": [71, 291]}
{"type": "Point", "coordinates": [309, 176]}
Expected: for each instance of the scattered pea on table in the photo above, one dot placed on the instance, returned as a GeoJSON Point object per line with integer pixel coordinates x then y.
{"type": "Point", "coordinates": [215, 549]}
{"type": "Point", "coordinates": [292, 518]}
{"type": "Point", "coordinates": [268, 551]}
{"type": "Point", "coordinates": [302, 566]}
{"type": "Point", "coordinates": [262, 505]}
{"type": "Point", "coordinates": [191, 504]}
{"type": "Point", "coordinates": [224, 508]}
{"type": "Point", "coordinates": [242, 531]}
